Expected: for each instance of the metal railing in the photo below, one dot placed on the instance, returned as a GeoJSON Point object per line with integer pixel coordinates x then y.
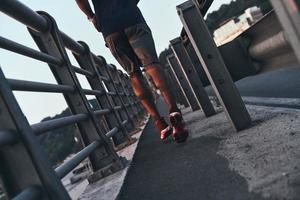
{"type": "Point", "coordinates": [197, 62]}
{"type": "Point", "coordinates": [196, 33]}
{"type": "Point", "coordinates": [25, 170]}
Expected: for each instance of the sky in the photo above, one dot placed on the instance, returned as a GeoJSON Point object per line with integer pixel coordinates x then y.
{"type": "Point", "coordinates": [160, 15]}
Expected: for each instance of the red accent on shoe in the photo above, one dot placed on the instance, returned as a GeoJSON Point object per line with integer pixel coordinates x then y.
{"type": "Point", "coordinates": [166, 132]}
{"type": "Point", "coordinates": [164, 129]}
{"type": "Point", "coordinates": [180, 133]}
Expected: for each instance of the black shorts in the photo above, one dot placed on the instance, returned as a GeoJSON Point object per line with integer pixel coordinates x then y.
{"type": "Point", "coordinates": [133, 48]}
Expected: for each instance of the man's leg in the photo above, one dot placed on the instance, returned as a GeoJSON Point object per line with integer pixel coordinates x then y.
{"type": "Point", "coordinates": [141, 40]}
{"type": "Point", "coordinates": [123, 52]}
{"type": "Point", "coordinates": [143, 92]}
{"type": "Point", "coordinates": [158, 76]}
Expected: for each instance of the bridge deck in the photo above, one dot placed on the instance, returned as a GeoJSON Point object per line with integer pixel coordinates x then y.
{"type": "Point", "coordinates": [187, 171]}
{"type": "Point", "coordinates": [210, 164]}
{"type": "Point", "coordinates": [216, 163]}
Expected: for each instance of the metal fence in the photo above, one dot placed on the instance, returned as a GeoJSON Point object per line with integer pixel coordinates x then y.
{"type": "Point", "coordinates": [25, 170]}
{"type": "Point", "coordinates": [197, 34]}
{"type": "Point", "coordinates": [196, 61]}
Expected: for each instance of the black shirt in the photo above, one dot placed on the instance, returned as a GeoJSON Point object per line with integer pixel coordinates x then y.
{"type": "Point", "coordinates": [116, 15]}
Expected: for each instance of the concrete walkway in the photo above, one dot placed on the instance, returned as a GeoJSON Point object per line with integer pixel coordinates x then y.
{"type": "Point", "coordinates": [194, 170]}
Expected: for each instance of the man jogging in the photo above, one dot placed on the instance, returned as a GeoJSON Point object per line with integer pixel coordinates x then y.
{"type": "Point", "coordinates": [130, 41]}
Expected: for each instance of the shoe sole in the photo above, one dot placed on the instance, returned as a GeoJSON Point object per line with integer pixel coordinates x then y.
{"type": "Point", "coordinates": [181, 140]}
{"type": "Point", "coordinates": [182, 137]}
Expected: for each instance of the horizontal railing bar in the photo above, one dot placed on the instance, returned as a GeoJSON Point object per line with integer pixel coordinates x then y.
{"type": "Point", "coordinates": [125, 122]}
{"type": "Point", "coordinates": [67, 167]}
{"type": "Point", "coordinates": [29, 52]}
{"type": "Point", "coordinates": [111, 93]}
{"type": "Point", "coordinates": [102, 112]}
{"type": "Point", "coordinates": [23, 14]}
{"type": "Point", "coordinates": [112, 132]}
{"type": "Point", "coordinates": [117, 107]}
{"type": "Point", "coordinates": [83, 71]}
{"type": "Point", "coordinates": [45, 126]}
{"type": "Point", "coordinates": [33, 20]}
{"type": "Point", "coordinates": [7, 138]}
{"type": "Point", "coordinates": [30, 193]}
{"type": "Point", "coordinates": [21, 85]}
{"type": "Point", "coordinates": [72, 45]}
{"type": "Point", "coordinates": [104, 78]}
{"type": "Point", "coordinates": [92, 92]}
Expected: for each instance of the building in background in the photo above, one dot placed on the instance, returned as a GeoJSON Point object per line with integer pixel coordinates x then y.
{"type": "Point", "coordinates": [232, 27]}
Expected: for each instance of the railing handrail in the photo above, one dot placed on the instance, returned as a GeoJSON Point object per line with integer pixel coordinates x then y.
{"type": "Point", "coordinates": [118, 103]}
{"type": "Point", "coordinates": [33, 20]}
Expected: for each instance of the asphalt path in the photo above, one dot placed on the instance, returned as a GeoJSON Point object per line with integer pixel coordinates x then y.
{"type": "Point", "coordinates": [284, 83]}
{"type": "Point", "coordinates": [168, 171]}
{"type": "Point", "coordinates": [191, 171]}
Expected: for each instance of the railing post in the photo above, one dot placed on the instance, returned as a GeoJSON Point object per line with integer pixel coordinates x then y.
{"type": "Point", "coordinates": [183, 82]}
{"type": "Point", "coordinates": [192, 77]}
{"type": "Point", "coordinates": [176, 90]}
{"type": "Point", "coordinates": [196, 62]}
{"type": "Point", "coordinates": [289, 17]}
{"type": "Point", "coordinates": [110, 86]}
{"type": "Point", "coordinates": [113, 119]}
{"type": "Point", "coordinates": [213, 64]}
{"type": "Point", "coordinates": [116, 86]}
{"type": "Point", "coordinates": [50, 42]}
{"type": "Point", "coordinates": [24, 163]}
{"type": "Point", "coordinates": [134, 117]}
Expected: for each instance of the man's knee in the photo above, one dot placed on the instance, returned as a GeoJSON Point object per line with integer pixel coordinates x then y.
{"type": "Point", "coordinates": [157, 74]}
{"type": "Point", "coordinates": [140, 86]}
